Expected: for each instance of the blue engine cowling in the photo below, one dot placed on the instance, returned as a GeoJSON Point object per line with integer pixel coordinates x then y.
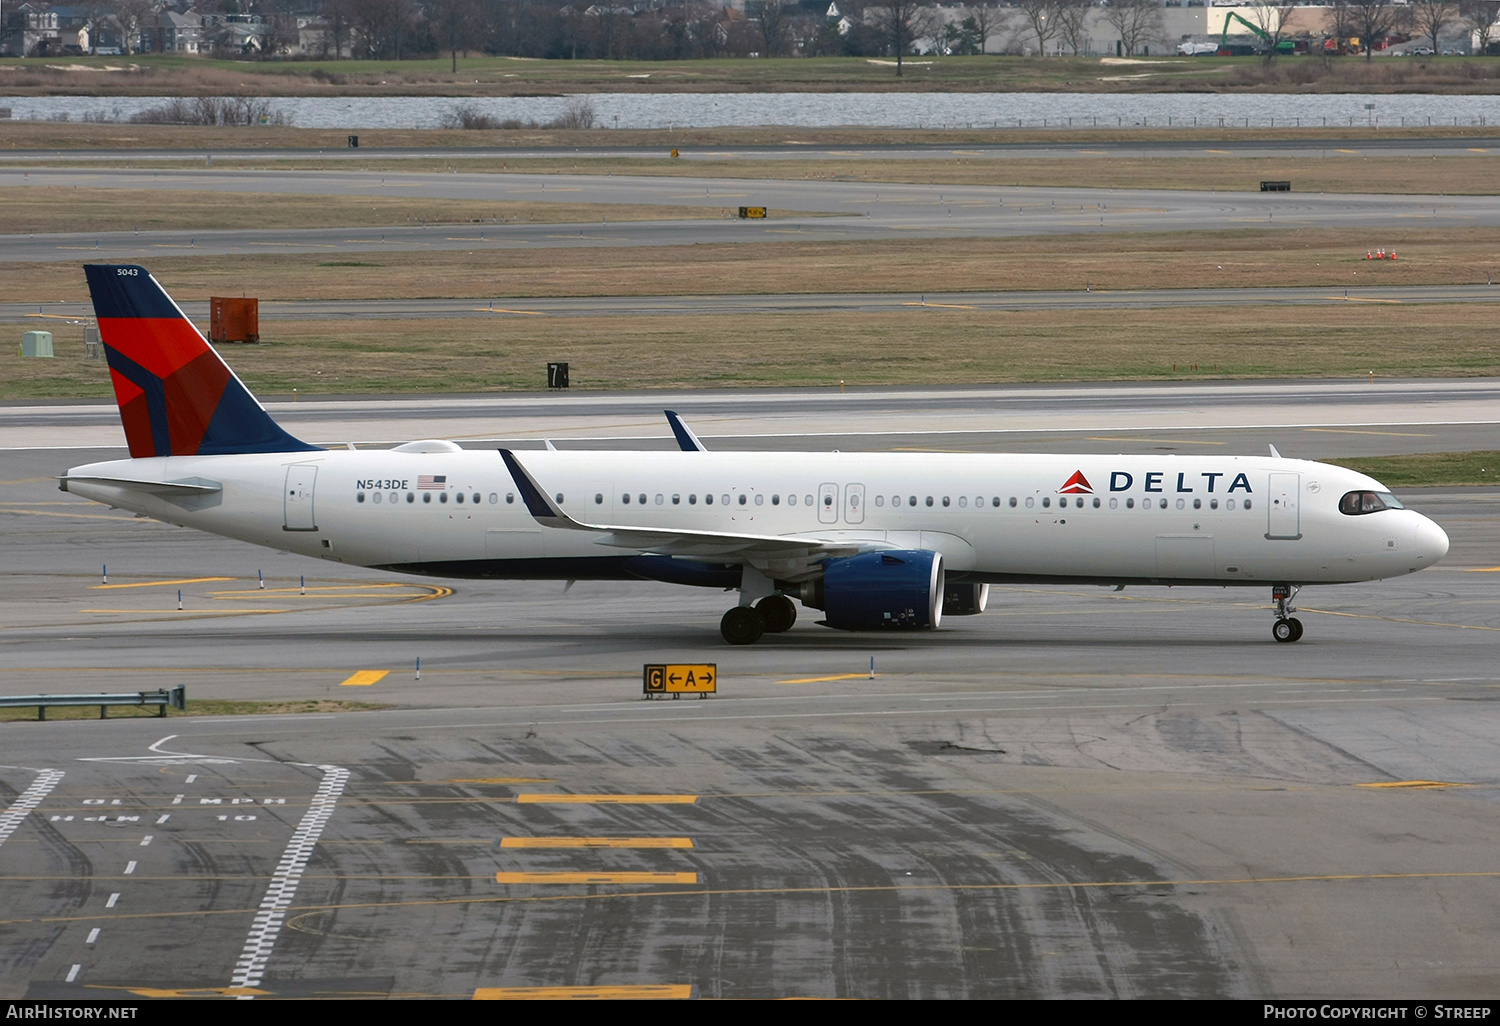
{"type": "Point", "coordinates": [899, 590]}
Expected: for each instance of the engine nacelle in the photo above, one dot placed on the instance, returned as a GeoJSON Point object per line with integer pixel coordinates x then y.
{"type": "Point", "coordinates": [899, 590]}
{"type": "Point", "coordinates": [965, 599]}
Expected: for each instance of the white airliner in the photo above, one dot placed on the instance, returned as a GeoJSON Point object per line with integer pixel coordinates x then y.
{"type": "Point", "coordinates": [875, 540]}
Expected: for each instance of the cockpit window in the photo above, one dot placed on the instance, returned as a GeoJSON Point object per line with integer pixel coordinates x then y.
{"type": "Point", "coordinates": [1355, 504]}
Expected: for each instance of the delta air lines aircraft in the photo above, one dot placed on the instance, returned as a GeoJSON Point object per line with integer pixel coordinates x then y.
{"type": "Point", "coordinates": [875, 541]}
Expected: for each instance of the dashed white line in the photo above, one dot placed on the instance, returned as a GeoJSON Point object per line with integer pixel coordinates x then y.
{"type": "Point", "coordinates": [29, 799]}
{"type": "Point", "coordinates": [190, 778]}
{"type": "Point", "coordinates": [112, 899]}
{"type": "Point", "coordinates": [178, 799]}
{"type": "Point", "coordinates": [129, 868]}
{"type": "Point", "coordinates": [164, 817]}
{"type": "Point", "coordinates": [146, 840]}
{"type": "Point", "coordinates": [73, 972]}
{"type": "Point", "coordinates": [93, 935]}
{"type": "Point", "coordinates": [268, 918]}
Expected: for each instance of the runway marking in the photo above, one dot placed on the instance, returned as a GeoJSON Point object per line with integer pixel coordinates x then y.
{"type": "Point", "coordinates": [302, 245]}
{"type": "Point", "coordinates": [160, 584]}
{"type": "Point", "coordinates": [28, 800]}
{"type": "Point", "coordinates": [1362, 299]}
{"type": "Point", "coordinates": [596, 878]}
{"type": "Point", "coordinates": [1478, 149]}
{"type": "Point", "coordinates": [273, 907]}
{"type": "Point", "coordinates": [1483, 570]}
{"type": "Point", "coordinates": [1351, 431]}
{"type": "Point", "coordinates": [490, 780]}
{"type": "Point", "coordinates": [187, 614]}
{"type": "Point", "coordinates": [502, 310]}
{"type": "Point", "coordinates": [56, 317]}
{"type": "Point", "coordinates": [819, 680]}
{"type": "Point", "coordinates": [596, 842]}
{"type": "Point", "coordinates": [364, 678]}
{"type": "Point", "coordinates": [305, 911]}
{"type": "Point", "coordinates": [189, 992]}
{"type": "Point", "coordinates": [621, 992]}
{"type": "Point", "coordinates": [127, 519]}
{"type": "Point", "coordinates": [1168, 441]}
{"type": "Point", "coordinates": [1417, 784]}
{"type": "Point", "coordinates": [606, 799]}
{"type": "Point", "coordinates": [942, 306]}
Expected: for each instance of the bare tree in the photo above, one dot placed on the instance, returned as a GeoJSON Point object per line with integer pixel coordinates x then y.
{"type": "Point", "coordinates": [899, 24]}
{"type": "Point", "coordinates": [1041, 17]}
{"type": "Point", "coordinates": [774, 26]}
{"type": "Point", "coordinates": [1430, 17]}
{"type": "Point", "coordinates": [1373, 20]}
{"type": "Point", "coordinates": [1271, 18]}
{"type": "Point", "coordinates": [1072, 24]}
{"type": "Point", "coordinates": [456, 21]}
{"type": "Point", "coordinates": [1137, 21]}
{"type": "Point", "coordinates": [986, 20]}
{"type": "Point", "coordinates": [1482, 14]}
{"type": "Point", "coordinates": [132, 16]}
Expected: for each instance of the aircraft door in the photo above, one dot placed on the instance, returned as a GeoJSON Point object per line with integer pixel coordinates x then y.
{"type": "Point", "coordinates": [854, 504]}
{"type": "Point", "coordinates": [298, 498]}
{"type": "Point", "coordinates": [1284, 519]}
{"type": "Point", "coordinates": [828, 503]}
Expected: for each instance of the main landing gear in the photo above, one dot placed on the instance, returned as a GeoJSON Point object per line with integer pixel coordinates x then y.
{"type": "Point", "coordinates": [1287, 627]}
{"type": "Point", "coordinates": [744, 625]}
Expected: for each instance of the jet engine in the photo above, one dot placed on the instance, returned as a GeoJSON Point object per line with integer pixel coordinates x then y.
{"type": "Point", "coordinates": [897, 590]}
{"type": "Point", "coordinates": [965, 599]}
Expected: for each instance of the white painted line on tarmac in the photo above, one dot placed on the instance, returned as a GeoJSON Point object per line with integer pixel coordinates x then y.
{"type": "Point", "coordinates": [29, 799]}
{"type": "Point", "coordinates": [112, 899]}
{"type": "Point", "coordinates": [130, 867]}
{"type": "Point", "coordinates": [73, 972]}
{"type": "Point", "coordinates": [268, 918]}
{"type": "Point", "coordinates": [93, 935]}
{"type": "Point", "coordinates": [147, 839]}
{"type": "Point", "coordinates": [163, 818]}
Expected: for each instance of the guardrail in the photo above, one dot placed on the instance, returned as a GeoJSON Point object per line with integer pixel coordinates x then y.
{"type": "Point", "coordinates": [175, 697]}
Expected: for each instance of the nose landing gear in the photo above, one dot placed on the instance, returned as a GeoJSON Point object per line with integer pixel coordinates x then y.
{"type": "Point", "coordinates": [1287, 627]}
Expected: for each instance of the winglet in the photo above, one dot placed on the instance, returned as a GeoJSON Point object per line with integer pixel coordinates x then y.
{"type": "Point", "coordinates": [686, 440]}
{"type": "Point", "coordinates": [1275, 453]}
{"type": "Point", "coordinates": [542, 509]}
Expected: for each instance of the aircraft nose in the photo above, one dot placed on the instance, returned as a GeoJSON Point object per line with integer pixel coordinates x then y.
{"type": "Point", "coordinates": [1431, 541]}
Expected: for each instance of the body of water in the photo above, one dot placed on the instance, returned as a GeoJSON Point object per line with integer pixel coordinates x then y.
{"type": "Point", "coordinates": [824, 110]}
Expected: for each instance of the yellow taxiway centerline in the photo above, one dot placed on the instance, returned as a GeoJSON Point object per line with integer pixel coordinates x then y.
{"type": "Point", "coordinates": [596, 842]}
{"type": "Point", "coordinates": [364, 678]}
{"type": "Point", "coordinates": [606, 799]}
{"type": "Point", "coordinates": [596, 878]}
{"type": "Point", "coordinates": [617, 992]}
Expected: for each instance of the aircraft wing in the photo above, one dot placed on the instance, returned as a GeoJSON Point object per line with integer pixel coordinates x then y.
{"type": "Point", "coordinates": [786, 556]}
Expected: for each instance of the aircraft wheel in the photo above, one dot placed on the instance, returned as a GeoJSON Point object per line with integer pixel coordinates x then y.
{"type": "Point", "coordinates": [1284, 630]}
{"type": "Point", "coordinates": [742, 625]}
{"type": "Point", "coordinates": [1296, 628]}
{"type": "Point", "coordinates": [777, 613]}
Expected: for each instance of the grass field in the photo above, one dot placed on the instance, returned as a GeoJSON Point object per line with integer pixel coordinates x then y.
{"type": "Point", "coordinates": [197, 707]}
{"type": "Point", "coordinates": [44, 209]}
{"type": "Point", "coordinates": [915, 346]}
{"type": "Point", "coordinates": [1434, 469]}
{"type": "Point", "coordinates": [502, 76]}
{"type": "Point", "coordinates": [1246, 258]}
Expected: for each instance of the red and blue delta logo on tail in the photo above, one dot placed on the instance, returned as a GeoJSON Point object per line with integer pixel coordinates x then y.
{"type": "Point", "coordinates": [176, 396]}
{"type": "Point", "coordinates": [1076, 485]}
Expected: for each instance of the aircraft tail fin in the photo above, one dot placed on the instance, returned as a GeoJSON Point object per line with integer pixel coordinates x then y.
{"type": "Point", "coordinates": [177, 397]}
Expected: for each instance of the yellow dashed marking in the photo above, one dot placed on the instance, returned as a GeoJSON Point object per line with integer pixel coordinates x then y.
{"type": "Point", "coordinates": [161, 584]}
{"type": "Point", "coordinates": [817, 680]}
{"type": "Point", "coordinates": [1350, 431]}
{"type": "Point", "coordinates": [364, 678]}
{"type": "Point", "coordinates": [623, 992]}
{"type": "Point", "coordinates": [492, 780]}
{"type": "Point", "coordinates": [596, 842]}
{"type": "Point", "coordinates": [942, 306]}
{"type": "Point", "coordinates": [1417, 784]}
{"type": "Point", "coordinates": [502, 310]}
{"type": "Point", "coordinates": [606, 799]}
{"type": "Point", "coordinates": [596, 878]}
{"type": "Point", "coordinates": [1166, 441]}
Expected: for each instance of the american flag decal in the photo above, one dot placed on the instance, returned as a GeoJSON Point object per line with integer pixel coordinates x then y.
{"type": "Point", "coordinates": [429, 482]}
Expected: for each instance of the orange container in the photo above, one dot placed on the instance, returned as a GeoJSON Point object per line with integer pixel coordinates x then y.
{"type": "Point", "coordinates": [233, 320]}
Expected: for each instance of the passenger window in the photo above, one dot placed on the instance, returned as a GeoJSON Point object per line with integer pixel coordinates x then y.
{"type": "Point", "coordinates": [1247, 503]}
{"type": "Point", "coordinates": [1114, 503]}
{"type": "Point", "coordinates": [708, 500]}
{"type": "Point", "coordinates": [1096, 502]}
{"type": "Point", "coordinates": [963, 502]}
{"type": "Point", "coordinates": [676, 500]}
{"type": "Point", "coordinates": [807, 499]}
{"type": "Point", "coordinates": [642, 498]}
{"type": "Point", "coordinates": [896, 500]}
{"type": "Point", "coordinates": [791, 500]}
{"type": "Point", "coordinates": [443, 497]}
{"type": "Point", "coordinates": [360, 497]}
{"type": "Point", "coordinates": [510, 498]}
{"type": "Point", "coordinates": [625, 500]}
{"type": "Point", "coordinates": [1213, 503]}
{"type": "Point", "coordinates": [880, 500]}
{"type": "Point", "coordinates": [979, 501]}
{"type": "Point", "coordinates": [742, 498]}
{"type": "Point", "coordinates": [476, 498]}
{"type": "Point", "coordinates": [1181, 503]}
{"type": "Point", "coordinates": [929, 500]}
{"type": "Point", "coordinates": [776, 500]}
{"type": "Point", "coordinates": [1130, 504]}
{"type": "Point", "coordinates": [945, 501]}
{"type": "Point", "coordinates": [1197, 503]}
{"type": "Point", "coordinates": [660, 498]}
{"type": "Point", "coordinates": [1030, 502]}
{"type": "Point", "coordinates": [1046, 502]}
{"type": "Point", "coordinates": [559, 498]}
{"type": "Point", "coordinates": [426, 496]}
{"type": "Point", "coordinates": [411, 496]}
{"type": "Point", "coordinates": [598, 499]}
{"type": "Point", "coordinates": [724, 500]}
{"type": "Point", "coordinates": [495, 497]}
{"type": "Point", "coordinates": [1012, 502]}
{"type": "Point", "coordinates": [459, 498]}
{"type": "Point", "coordinates": [1162, 503]}
{"type": "Point", "coordinates": [760, 499]}
{"type": "Point", "coordinates": [1229, 504]}
{"type": "Point", "coordinates": [692, 498]}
